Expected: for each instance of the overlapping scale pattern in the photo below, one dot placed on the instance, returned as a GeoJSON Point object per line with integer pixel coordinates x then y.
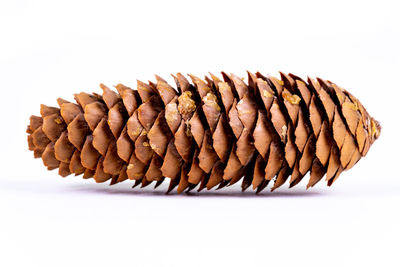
{"type": "Point", "coordinates": [210, 132]}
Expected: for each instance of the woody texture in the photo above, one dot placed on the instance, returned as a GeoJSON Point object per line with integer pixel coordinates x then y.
{"type": "Point", "coordinates": [207, 133]}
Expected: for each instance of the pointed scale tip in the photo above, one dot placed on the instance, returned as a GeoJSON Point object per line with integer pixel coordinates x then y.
{"type": "Point", "coordinates": [158, 183]}
{"type": "Point", "coordinates": [137, 182]}
{"type": "Point", "coordinates": [159, 79]}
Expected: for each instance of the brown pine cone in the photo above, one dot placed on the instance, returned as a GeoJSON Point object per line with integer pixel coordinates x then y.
{"type": "Point", "coordinates": [211, 132]}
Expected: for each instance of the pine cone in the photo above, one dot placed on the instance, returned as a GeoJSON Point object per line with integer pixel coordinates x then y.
{"type": "Point", "coordinates": [211, 132]}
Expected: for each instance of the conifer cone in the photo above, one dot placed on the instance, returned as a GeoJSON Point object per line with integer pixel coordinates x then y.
{"type": "Point", "coordinates": [209, 132]}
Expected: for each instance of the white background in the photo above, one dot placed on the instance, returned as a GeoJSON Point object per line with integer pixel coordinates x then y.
{"type": "Point", "coordinates": [50, 49]}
